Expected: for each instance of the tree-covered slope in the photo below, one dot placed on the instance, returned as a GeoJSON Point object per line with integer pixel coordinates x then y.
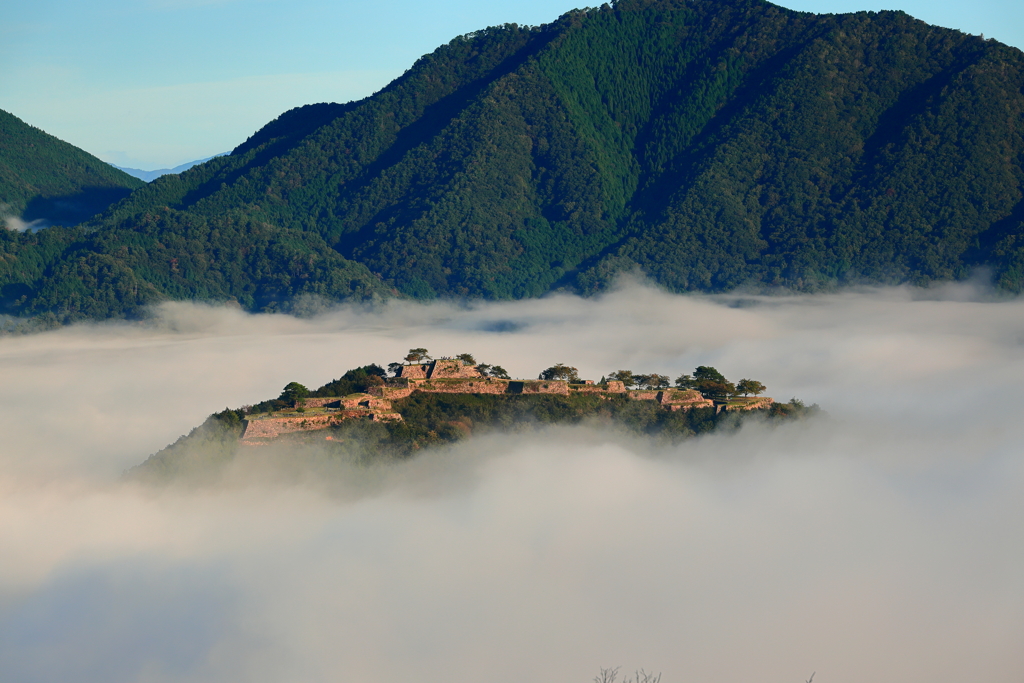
{"type": "Point", "coordinates": [77, 273]}
{"type": "Point", "coordinates": [709, 143]}
{"type": "Point", "coordinates": [42, 177]}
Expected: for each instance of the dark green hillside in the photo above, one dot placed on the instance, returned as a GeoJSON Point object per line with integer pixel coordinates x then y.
{"type": "Point", "coordinates": [42, 177]}
{"type": "Point", "coordinates": [171, 255]}
{"type": "Point", "coordinates": [709, 143]}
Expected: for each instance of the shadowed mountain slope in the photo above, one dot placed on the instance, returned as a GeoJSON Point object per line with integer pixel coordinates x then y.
{"type": "Point", "coordinates": [43, 178]}
{"type": "Point", "coordinates": [711, 144]}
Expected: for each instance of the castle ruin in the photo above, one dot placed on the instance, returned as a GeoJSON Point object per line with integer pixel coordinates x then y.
{"type": "Point", "coordinates": [453, 376]}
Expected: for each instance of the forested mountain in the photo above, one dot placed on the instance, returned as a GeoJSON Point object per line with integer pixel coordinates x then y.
{"type": "Point", "coordinates": [42, 177]}
{"type": "Point", "coordinates": [708, 143]}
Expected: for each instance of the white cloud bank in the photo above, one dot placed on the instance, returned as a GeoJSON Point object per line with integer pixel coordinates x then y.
{"type": "Point", "coordinates": [880, 543]}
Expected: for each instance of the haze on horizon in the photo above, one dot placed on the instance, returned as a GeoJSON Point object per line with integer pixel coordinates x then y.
{"type": "Point", "coordinates": [157, 84]}
{"type": "Point", "coordinates": [880, 541]}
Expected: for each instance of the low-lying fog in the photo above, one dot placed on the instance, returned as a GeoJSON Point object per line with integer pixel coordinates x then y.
{"type": "Point", "coordinates": [881, 542]}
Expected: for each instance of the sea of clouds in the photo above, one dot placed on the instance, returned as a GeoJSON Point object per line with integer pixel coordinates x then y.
{"type": "Point", "coordinates": [881, 541]}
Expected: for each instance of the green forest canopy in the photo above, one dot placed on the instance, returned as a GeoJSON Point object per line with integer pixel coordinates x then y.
{"type": "Point", "coordinates": [708, 143]}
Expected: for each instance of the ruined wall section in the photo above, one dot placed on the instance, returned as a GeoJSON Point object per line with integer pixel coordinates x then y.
{"type": "Point", "coordinates": [611, 387]}
{"type": "Point", "coordinates": [415, 371]}
{"type": "Point", "coordinates": [451, 368]}
{"type": "Point", "coordinates": [393, 392]}
{"type": "Point", "coordinates": [683, 399]}
{"type": "Point", "coordinates": [542, 386]}
{"type": "Point", "coordinates": [321, 402]}
{"type": "Point", "coordinates": [271, 427]}
{"type": "Point", "coordinates": [759, 403]}
{"type": "Point", "coordinates": [643, 394]}
{"type": "Point", "coordinates": [479, 385]}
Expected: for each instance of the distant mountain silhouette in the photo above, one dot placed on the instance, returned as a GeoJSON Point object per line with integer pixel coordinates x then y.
{"type": "Point", "coordinates": [150, 176]}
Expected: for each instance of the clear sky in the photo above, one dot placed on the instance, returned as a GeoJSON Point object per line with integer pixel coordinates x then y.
{"type": "Point", "coordinates": [155, 83]}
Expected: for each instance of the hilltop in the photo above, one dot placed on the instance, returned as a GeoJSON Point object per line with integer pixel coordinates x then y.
{"type": "Point", "coordinates": [708, 143]}
{"type": "Point", "coordinates": [367, 416]}
{"type": "Point", "coordinates": [46, 179]}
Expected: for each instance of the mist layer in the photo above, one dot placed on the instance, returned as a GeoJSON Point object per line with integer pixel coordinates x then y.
{"type": "Point", "coordinates": [881, 541]}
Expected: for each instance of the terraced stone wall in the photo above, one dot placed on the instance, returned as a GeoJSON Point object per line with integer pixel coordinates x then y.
{"type": "Point", "coordinates": [270, 427]}
{"type": "Point", "coordinates": [455, 369]}
{"type": "Point", "coordinates": [465, 386]}
{"type": "Point", "coordinates": [322, 402]}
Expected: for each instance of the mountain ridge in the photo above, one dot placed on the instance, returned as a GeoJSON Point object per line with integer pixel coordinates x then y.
{"type": "Point", "coordinates": [149, 176]}
{"type": "Point", "coordinates": [710, 145]}
{"type": "Point", "coordinates": [43, 178]}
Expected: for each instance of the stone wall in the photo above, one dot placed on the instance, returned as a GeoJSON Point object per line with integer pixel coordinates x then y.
{"type": "Point", "coordinates": [366, 401]}
{"type": "Point", "coordinates": [452, 368]}
{"type": "Point", "coordinates": [644, 395]}
{"type": "Point", "coordinates": [321, 402]}
{"type": "Point", "coordinates": [543, 386]}
{"type": "Point", "coordinates": [393, 392]}
{"type": "Point", "coordinates": [683, 396]}
{"type": "Point", "coordinates": [683, 399]}
{"type": "Point", "coordinates": [763, 402]}
{"type": "Point", "coordinates": [465, 386]}
{"type": "Point", "coordinates": [417, 371]}
{"type": "Point", "coordinates": [270, 427]}
{"type": "Point", "coordinates": [613, 387]}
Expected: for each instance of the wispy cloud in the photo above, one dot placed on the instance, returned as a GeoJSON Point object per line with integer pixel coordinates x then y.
{"type": "Point", "coordinates": [13, 222]}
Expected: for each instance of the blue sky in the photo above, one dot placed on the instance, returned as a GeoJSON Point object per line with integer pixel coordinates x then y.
{"type": "Point", "coordinates": [155, 83]}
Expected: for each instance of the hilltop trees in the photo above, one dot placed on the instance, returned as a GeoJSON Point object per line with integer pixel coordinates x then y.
{"type": "Point", "coordinates": [293, 393]}
{"type": "Point", "coordinates": [562, 372]}
{"type": "Point", "coordinates": [495, 371]}
{"type": "Point", "coordinates": [713, 384]}
{"type": "Point", "coordinates": [419, 355]}
{"type": "Point", "coordinates": [705, 379]}
{"type": "Point", "coordinates": [750, 386]}
{"type": "Point", "coordinates": [652, 381]}
{"type": "Point", "coordinates": [625, 376]}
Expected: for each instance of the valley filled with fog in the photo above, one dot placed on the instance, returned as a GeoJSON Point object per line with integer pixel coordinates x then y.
{"type": "Point", "coordinates": [882, 540]}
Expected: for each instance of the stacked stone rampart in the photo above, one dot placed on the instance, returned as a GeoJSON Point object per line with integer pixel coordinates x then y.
{"type": "Point", "coordinates": [683, 399]}
{"type": "Point", "coordinates": [680, 396]}
{"type": "Point", "coordinates": [393, 393]}
{"type": "Point", "coordinates": [451, 368]}
{"type": "Point", "coordinates": [763, 402]}
{"type": "Point", "coordinates": [368, 401]}
{"type": "Point", "coordinates": [271, 427]}
{"type": "Point", "coordinates": [321, 402]}
{"type": "Point", "coordinates": [416, 371]}
{"type": "Point", "coordinates": [543, 386]}
{"type": "Point", "coordinates": [478, 385]}
{"type": "Point", "coordinates": [644, 394]}
{"type": "Point", "coordinates": [612, 387]}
